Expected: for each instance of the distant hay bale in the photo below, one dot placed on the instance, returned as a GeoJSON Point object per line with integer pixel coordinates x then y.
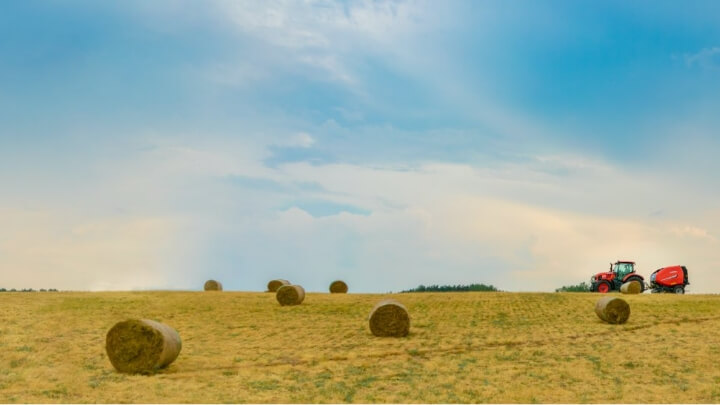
{"type": "Point", "coordinates": [290, 295]}
{"type": "Point", "coordinates": [389, 318]}
{"type": "Point", "coordinates": [212, 285]}
{"type": "Point", "coordinates": [142, 346]}
{"type": "Point", "coordinates": [273, 285]}
{"type": "Point", "coordinates": [612, 310]}
{"type": "Point", "coordinates": [631, 287]}
{"type": "Point", "coordinates": [338, 287]}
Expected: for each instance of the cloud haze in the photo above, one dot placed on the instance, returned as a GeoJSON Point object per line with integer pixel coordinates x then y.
{"type": "Point", "coordinates": [388, 144]}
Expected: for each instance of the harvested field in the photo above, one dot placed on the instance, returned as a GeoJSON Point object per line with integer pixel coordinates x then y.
{"type": "Point", "coordinates": [462, 347]}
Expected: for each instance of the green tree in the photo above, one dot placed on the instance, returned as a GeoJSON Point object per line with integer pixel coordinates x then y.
{"type": "Point", "coordinates": [582, 287]}
{"type": "Point", "coordinates": [451, 288]}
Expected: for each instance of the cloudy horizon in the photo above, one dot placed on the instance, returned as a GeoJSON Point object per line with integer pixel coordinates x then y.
{"type": "Point", "coordinates": [155, 145]}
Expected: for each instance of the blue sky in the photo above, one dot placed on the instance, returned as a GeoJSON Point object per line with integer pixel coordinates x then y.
{"type": "Point", "coordinates": [158, 144]}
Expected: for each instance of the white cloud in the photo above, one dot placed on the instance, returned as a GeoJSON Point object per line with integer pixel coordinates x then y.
{"type": "Point", "coordinates": [299, 140]}
{"type": "Point", "coordinates": [326, 36]}
{"type": "Point", "coordinates": [706, 58]}
{"type": "Point", "coordinates": [45, 249]}
{"type": "Point", "coordinates": [518, 226]}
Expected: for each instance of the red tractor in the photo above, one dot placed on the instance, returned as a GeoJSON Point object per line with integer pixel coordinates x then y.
{"type": "Point", "coordinates": [669, 279]}
{"type": "Point", "coordinates": [621, 272]}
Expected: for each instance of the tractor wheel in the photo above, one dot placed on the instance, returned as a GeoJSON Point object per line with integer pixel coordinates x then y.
{"type": "Point", "coordinates": [603, 287]}
{"type": "Point", "coordinates": [679, 289]}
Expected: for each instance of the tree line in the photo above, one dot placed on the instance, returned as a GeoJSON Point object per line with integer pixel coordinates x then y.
{"type": "Point", "coordinates": [582, 287]}
{"type": "Point", "coordinates": [28, 290]}
{"type": "Point", "coordinates": [450, 288]}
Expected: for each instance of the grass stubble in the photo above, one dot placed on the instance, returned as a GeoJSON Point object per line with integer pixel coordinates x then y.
{"type": "Point", "coordinates": [462, 347]}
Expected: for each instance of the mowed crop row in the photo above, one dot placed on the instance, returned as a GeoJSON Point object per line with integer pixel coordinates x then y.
{"type": "Point", "coordinates": [462, 347]}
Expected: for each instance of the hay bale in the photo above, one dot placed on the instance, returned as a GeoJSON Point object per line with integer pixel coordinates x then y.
{"type": "Point", "coordinates": [290, 295]}
{"type": "Point", "coordinates": [338, 287]}
{"type": "Point", "coordinates": [631, 287]}
{"type": "Point", "coordinates": [389, 318]}
{"type": "Point", "coordinates": [273, 285]}
{"type": "Point", "coordinates": [142, 346]}
{"type": "Point", "coordinates": [612, 309]}
{"type": "Point", "coordinates": [212, 285]}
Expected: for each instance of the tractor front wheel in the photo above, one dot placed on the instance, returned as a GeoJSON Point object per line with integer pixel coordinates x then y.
{"type": "Point", "coordinates": [603, 287]}
{"type": "Point", "coordinates": [679, 289]}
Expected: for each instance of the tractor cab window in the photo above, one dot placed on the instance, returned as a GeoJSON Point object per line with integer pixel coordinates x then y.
{"type": "Point", "coordinates": [622, 269]}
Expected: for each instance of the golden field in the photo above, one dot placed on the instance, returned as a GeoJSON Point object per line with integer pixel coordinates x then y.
{"type": "Point", "coordinates": [462, 347]}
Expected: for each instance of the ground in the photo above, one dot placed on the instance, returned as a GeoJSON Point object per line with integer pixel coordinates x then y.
{"type": "Point", "coordinates": [462, 347]}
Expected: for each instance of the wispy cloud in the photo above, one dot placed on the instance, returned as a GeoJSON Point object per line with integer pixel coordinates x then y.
{"type": "Point", "coordinates": [706, 58]}
{"type": "Point", "coordinates": [325, 35]}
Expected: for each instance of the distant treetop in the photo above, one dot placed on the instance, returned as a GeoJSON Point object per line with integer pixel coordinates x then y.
{"type": "Point", "coordinates": [582, 287]}
{"type": "Point", "coordinates": [451, 288]}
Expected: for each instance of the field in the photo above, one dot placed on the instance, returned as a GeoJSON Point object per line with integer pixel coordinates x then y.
{"type": "Point", "coordinates": [462, 347]}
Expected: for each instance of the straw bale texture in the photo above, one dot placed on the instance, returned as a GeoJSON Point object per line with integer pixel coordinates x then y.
{"type": "Point", "coordinates": [631, 287]}
{"type": "Point", "coordinates": [389, 318]}
{"type": "Point", "coordinates": [338, 286]}
{"type": "Point", "coordinates": [142, 346]}
{"type": "Point", "coordinates": [290, 295]}
{"type": "Point", "coordinates": [612, 310]}
{"type": "Point", "coordinates": [273, 285]}
{"type": "Point", "coordinates": [212, 285]}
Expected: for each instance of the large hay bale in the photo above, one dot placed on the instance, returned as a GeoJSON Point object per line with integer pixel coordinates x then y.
{"type": "Point", "coordinates": [612, 309]}
{"type": "Point", "coordinates": [290, 295]}
{"type": "Point", "coordinates": [338, 287]}
{"type": "Point", "coordinates": [389, 318]}
{"type": "Point", "coordinates": [273, 285]}
{"type": "Point", "coordinates": [212, 285]}
{"type": "Point", "coordinates": [631, 287]}
{"type": "Point", "coordinates": [142, 346]}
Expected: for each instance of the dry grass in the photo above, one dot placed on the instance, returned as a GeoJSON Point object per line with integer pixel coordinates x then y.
{"type": "Point", "coordinates": [462, 347]}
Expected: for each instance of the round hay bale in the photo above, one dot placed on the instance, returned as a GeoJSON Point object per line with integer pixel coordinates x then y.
{"type": "Point", "coordinates": [142, 346]}
{"type": "Point", "coordinates": [212, 285]}
{"type": "Point", "coordinates": [612, 310]}
{"type": "Point", "coordinates": [273, 285]}
{"type": "Point", "coordinates": [631, 287]}
{"type": "Point", "coordinates": [290, 295]}
{"type": "Point", "coordinates": [389, 318]}
{"type": "Point", "coordinates": [338, 287]}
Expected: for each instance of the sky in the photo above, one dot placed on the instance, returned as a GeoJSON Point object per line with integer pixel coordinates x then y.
{"type": "Point", "coordinates": [155, 145]}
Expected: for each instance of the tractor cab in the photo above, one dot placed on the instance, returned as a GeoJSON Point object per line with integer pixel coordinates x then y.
{"type": "Point", "coordinates": [622, 269]}
{"type": "Point", "coordinates": [620, 272]}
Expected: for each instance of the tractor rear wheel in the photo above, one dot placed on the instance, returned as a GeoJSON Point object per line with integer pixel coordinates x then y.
{"type": "Point", "coordinates": [679, 289]}
{"type": "Point", "coordinates": [603, 287]}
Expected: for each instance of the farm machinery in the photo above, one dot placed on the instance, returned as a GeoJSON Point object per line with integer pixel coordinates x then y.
{"type": "Point", "coordinates": [667, 279]}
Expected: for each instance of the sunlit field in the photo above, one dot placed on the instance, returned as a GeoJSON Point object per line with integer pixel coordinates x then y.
{"type": "Point", "coordinates": [462, 347]}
